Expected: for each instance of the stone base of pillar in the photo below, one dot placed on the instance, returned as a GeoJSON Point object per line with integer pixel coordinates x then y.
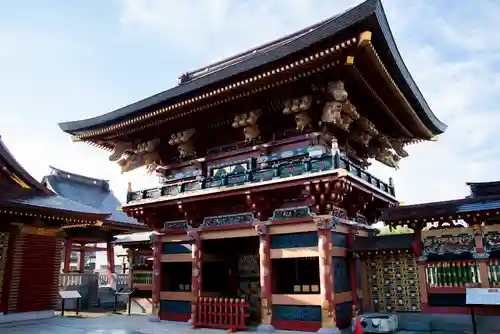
{"type": "Point", "coordinates": [325, 330]}
{"type": "Point", "coordinates": [263, 328]}
{"type": "Point", "coordinates": [154, 318]}
{"type": "Point", "coordinates": [190, 323]}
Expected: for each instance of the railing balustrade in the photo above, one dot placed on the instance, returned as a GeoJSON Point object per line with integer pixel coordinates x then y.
{"type": "Point", "coordinates": [258, 175]}
{"type": "Point", "coordinates": [494, 273]}
{"type": "Point", "coordinates": [459, 273]}
{"type": "Point", "coordinates": [142, 277]}
{"type": "Point", "coordinates": [222, 313]}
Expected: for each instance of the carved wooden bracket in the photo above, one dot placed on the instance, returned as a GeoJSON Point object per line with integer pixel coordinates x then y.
{"type": "Point", "coordinates": [184, 142]}
{"type": "Point", "coordinates": [248, 121]}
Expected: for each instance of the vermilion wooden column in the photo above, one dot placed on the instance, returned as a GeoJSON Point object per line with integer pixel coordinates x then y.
{"type": "Point", "coordinates": [328, 316]}
{"type": "Point", "coordinates": [67, 255]}
{"type": "Point", "coordinates": [196, 278]}
{"type": "Point", "coordinates": [110, 252]}
{"type": "Point", "coordinates": [483, 265]}
{"type": "Point", "coordinates": [157, 274]}
{"type": "Point", "coordinates": [81, 265]}
{"type": "Point", "coordinates": [266, 293]}
{"type": "Point", "coordinates": [353, 274]}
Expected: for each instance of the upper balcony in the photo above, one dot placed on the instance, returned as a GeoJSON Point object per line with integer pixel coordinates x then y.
{"type": "Point", "coordinates": [299, 163]}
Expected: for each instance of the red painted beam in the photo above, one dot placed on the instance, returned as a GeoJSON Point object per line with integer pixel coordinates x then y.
{"type": "Point", "coordinates": [88, 249]}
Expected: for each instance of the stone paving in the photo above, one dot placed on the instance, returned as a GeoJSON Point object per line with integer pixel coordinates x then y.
{"type": "Point", "coordinates": [114, 324]}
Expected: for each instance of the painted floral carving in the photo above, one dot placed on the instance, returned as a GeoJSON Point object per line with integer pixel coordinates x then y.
{"type": "Point", "coordinates": [448, 244]}
{"type": "Point", "coordinates": [492, 241]}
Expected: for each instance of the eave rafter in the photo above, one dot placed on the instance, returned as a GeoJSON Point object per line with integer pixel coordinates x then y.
{"type": "Point", "coordinates": [368, 51]}
{"type": "Point", "coordinates": [152, 119]}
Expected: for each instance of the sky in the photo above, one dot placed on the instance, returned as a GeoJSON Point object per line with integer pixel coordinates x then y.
{"type": "Point", "coordinates": [67, 60]}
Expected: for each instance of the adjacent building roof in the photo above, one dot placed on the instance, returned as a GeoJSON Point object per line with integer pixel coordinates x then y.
{"type": "Point", "coordinates": [368, 16]}
{"type": "Point", "coordinates": [385, 242]}
{"type": "Point", "coordinates": [135, 238]}
{"type": "Point", "coordinates": [485, 196]}
{"type": "Point", "coordinates": [90, 192]}
{"type": "Point", "coordinates": [19, 190]}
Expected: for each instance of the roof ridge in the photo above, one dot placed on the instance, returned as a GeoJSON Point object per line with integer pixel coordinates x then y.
{"type": "Point", "coordinates": [71, 174]}
{"type": "Point", "coordinates": [218, 65]}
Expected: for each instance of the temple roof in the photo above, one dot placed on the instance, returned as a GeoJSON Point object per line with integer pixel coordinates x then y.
{"type": "Point", "coordinates": [90, 192]}
{"type": "Point", "coordinates": [384, 242]}
{"type": "Point", "coordinates": [368, 16]}
{"type": "Point", "coordinates": [485, 196]}
{"type": "Point", "coordinates": [19, 190]}
{"type": "Point", "coordinates": [141, 237]}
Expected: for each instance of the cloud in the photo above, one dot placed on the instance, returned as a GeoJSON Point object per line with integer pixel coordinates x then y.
{"type": "Point", "coordinates": [453, 55]}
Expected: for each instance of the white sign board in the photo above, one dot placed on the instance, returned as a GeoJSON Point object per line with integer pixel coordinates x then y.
{"type": "Point", "coordinates": [69, 294]}
{"type": "Point", "coordinates": [482, 296]}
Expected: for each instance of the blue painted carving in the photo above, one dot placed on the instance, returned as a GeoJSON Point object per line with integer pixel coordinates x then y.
{"type": "Point", "coordinates": [176, 248]}
{"type": "Point", "coordinates": [214, 183]}
{"type": "Point", "coordinates": [152, 193]}
{"type": "Point", "coordinates": [192, 186]}
{"type": "Point", "coordinates": [181, 175]}
{"type": "Point", "coordinates": [243, 171]}
{"type": "Point", "coordinates": [340, 274]}
{"type": "Point", "coordinates": [339, 239]}
{"type": "Point", "coordinates": [264, 174]}
{"type": "Point", "coordinates": [276, 156]}
{"type": "Point", "coordinates": [175, 306]}
{"type": "Point", "coordinates": [319, 165]}
{"type": "Point", "coordinates": [175, 225]}
{"type": "Point", "coordinates": [297, 313]}
{"type": "Point", "coordinates": [236, 219]}
{"type": "Point", "coordinates": [294, 212]}
{"type": "Point", "coordinates": [236, 179]}
{"type": "Point", "coordinates": [339, 213]}
{"type": "Point", "coordinates": [231, 167]}
{"type": "Point", "coordinates": [343, 313]}
{"type": "Point", "coordinates": [292, 170]}
{"type": "Point", "coordinates": [171, 190]}
{"type": "Point", "coordinates": [294, 240]}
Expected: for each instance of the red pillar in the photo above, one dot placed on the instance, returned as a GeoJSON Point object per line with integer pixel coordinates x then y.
{"type": "Point", "coordinates": [196, 257]}
{"type": "Point", "coordinates": [353, 275]}
{"type": "Point", "coordinates": [157, 251]}
{"type": "Point", "coordinates": [111, 261]}
{"type": "Point", "coordinates": [67, 255]}
{"type": "Point", "coordinates": [81, 265]}
{"type": "Point", "coordinates": [328, 316]}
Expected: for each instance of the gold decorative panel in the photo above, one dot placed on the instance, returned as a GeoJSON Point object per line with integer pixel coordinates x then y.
{"type": "Point", "coordinates": [393, 282]}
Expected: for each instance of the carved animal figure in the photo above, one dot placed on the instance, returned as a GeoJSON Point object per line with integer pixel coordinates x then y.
{"type": "Point", "coordinates": [332, 113]}
{"type": "Point", "coordinates": [305, 102]}
{"type": "Point", "coordinates": [287, 107]}
{"type": "Point", "coordinates": [186, 149]}
{"type": "Point", "coordinates": [388, 158]}
{"type": "Point", "coordinates": [303, 121]}
{"type": "Point", "coordinates": [398, 146]}
{"type": "Point", "coordinates": [119, 150]}
{"type": "Point", "coordinates": [337, 90]}
{"type": "Point", "coordinates": [251, 132]}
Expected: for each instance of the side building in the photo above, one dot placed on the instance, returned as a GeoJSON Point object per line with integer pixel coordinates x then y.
{"type": "Point", "coordinates": [95, 193]}
{"type": "Point", "coordinates": [263, 161]}
{"type": "Point", "coordinates": [34, 223]}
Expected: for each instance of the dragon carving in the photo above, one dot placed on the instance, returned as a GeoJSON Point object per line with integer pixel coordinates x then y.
{"type": "Point", "coordinates": [184, 143]}
{"type": "Point", "coordinates": [248, 121]}
{"type": "Point", "coordinates": [339, 112]}
{"type": "Point", "coordinates": [144, 154]}
{"type": "Point", "coordinates": [299, 108]}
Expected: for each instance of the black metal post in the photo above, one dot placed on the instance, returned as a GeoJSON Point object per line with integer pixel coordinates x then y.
{"type": "Point", "coordinates": [77, 305]}
{"type": "Point", "coordinates": [129, 303]}
{"type": "Point", "coordinates": [473, 316]}
{"type": "Point", "coordinates": [62, 307]}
